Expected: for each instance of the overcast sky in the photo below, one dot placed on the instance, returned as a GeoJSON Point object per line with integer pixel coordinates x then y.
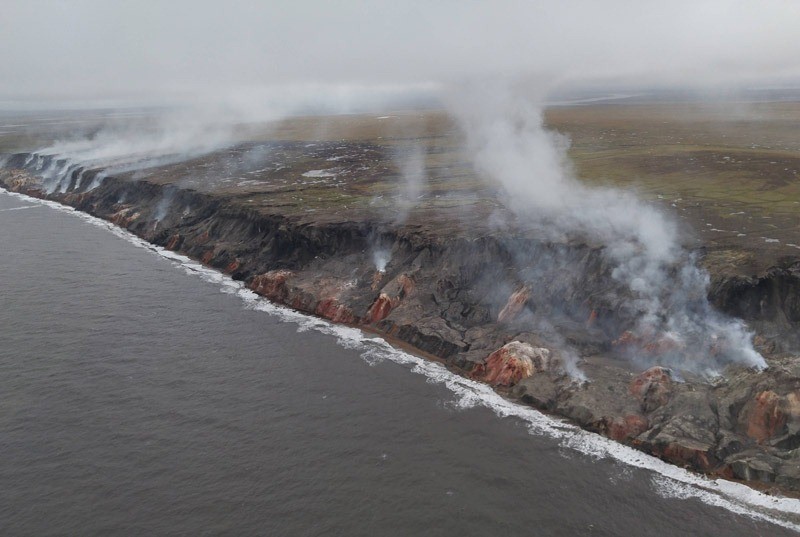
{"type": "Point", "coordinates": [105, 48]}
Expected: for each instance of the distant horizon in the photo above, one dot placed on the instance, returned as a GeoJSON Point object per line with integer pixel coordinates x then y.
{"type": "Point", "coordinates": [420, 101]}
{"type": "Point", "coordinates": [203, 51]}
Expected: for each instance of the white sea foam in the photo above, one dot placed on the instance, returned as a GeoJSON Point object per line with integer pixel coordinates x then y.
{"type": "Point", "coordinates": [669, 481]}
{"type": "Point", "coordinates": [20, 208]}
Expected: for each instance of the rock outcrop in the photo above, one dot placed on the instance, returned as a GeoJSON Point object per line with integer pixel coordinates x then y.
{"type": "Point", "coordinates": [769, 418]}
{"type": "Point", "coordinates": [511, 363]}
{"type": "Point", "coordinates": [515, 303]}
{"type": "Point", "coordinates": [389, 298]}
{"type": "Point", "coordinates": [272, 284]}
{"type": "Point", "coordinates": [652, 388]}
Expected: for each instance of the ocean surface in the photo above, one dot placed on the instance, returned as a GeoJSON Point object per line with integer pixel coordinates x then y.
{"type": "Point", "coordinates": [141, 394]}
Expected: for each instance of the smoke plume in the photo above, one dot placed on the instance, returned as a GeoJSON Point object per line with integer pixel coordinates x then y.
{"type": "Point", "coordinates": [665, 287]}
{"type": "Point", "coordinates": [413, 178]}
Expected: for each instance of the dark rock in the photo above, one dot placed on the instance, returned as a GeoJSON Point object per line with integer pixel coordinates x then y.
{"type": "Point", "coordinates": [755, 467]}
{"type": "Point", "coordinates": [540, 391]}
{"type": "Point", "coordinates": [789, 473]}
{"type": "Point", "coordinates": [685, 431]}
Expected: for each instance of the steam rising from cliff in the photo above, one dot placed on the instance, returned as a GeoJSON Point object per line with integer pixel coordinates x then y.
{"type": "Point", "coordinates": [413, 178]}
{"type": "Point", "coordinates": [162, 207]}
{"type": "Point", "coordinates": [666, 289]}
{"type": "Point", "coordinates": [380, 258]}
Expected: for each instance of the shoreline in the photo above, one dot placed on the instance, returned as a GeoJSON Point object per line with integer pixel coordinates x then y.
{"type": "Point", "coordinates": [377, 312]}
{"type": "Point", "coordinates": [732, 495]}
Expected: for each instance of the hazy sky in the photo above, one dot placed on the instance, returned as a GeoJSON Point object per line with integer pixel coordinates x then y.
{"type": "Point", "coordinates": [88, 48]}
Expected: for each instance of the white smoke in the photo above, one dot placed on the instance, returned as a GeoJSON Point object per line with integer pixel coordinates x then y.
{"type": "Point", "coordinates": [409, 159]}
{"type": "Point", "coordinates": [507, 138]}
{"type": "Point", "coordinates": [411, 164]}
{"type": "Point", "coordinates": [162, 208]}
{"type": "Point", "coordinates": [381, 258]}
{"type": "Point", "coordinates": [138, 139]}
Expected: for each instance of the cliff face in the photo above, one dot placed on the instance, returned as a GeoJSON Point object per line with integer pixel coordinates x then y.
{"type": "Point", "coordinates": [769, 301]}
{"type": "Point", "coordinates": [512, 311]}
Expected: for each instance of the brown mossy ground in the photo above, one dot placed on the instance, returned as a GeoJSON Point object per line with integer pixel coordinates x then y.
{"type": "Point", "coordinates": [730, 171]}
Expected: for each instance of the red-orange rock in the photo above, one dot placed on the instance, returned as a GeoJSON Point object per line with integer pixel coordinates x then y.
{"type": "Point", "coordinates": [380, 309]}
{"type": "Point", "coordinates": [302, 301]}
{"type": "Point", "coordinates": [376, 279]}
{"type": "Point", "coordinates": [792, 405]}
{"type": "Point", "coordinates": [173, 242]}
{"type": "Point", "coordinates": [656, 345]}
{"type": "Point", "coordinates": [511, 363]}
{"type": "Point", "coordinates": [627, 427]}
{"type": "Point", "coordinates": [765, 417]}
{"type": "Point", "coordinates": [272, 284]}
{"type": "Point", "coordinates": [331, 309]}
{"type": "Point", "coordinates": [125, 216]}
{"type": "Point", "coordinates": [663, 345]}
{"type": "Point", "coordinates": [390, 297]}
{"type": "Point", "coordinates": [403, 284]}
{"type": "Point", "coordinates": [652, 388]}
{"type": "Point", "coordinates": [514, 305]}
{"type": "Point", "coordinates": [232, 266]}
{"type": "Point", "coordinates": [592, 318]}
{"type": "Point", "coordinates": [626, 338]}
{"type": "Point", "coordinates": [207, 256]}
{"type": "Point", "coordinates": [686, 453]}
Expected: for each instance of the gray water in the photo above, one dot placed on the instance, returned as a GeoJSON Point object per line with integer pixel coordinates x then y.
{"type": "Point", "coordinates": [138, 399]}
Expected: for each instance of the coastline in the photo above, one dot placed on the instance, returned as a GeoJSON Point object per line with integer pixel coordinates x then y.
{"type": "Point", "coordinates": [377, 304]}
{"type": "Point", "coordinates": [669, 480]}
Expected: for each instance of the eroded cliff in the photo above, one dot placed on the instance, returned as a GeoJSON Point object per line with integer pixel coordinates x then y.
{"type": "Point", "coordinates": [533, 317]}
